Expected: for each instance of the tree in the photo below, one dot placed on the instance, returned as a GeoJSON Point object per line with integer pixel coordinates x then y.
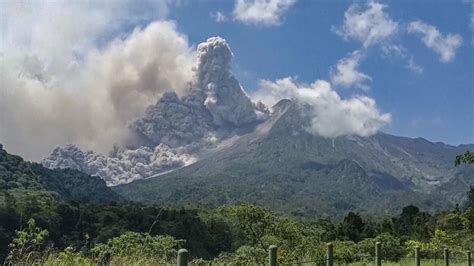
{"type": "Point", "coordinates": [345, 251]}
{"type": "Point", "coordinates": [470, 197]}
{"type": "Point", "coordinates": [255, 222]}
{"type": "Point", "coordinates": [467, 158]}
{"type": "Point", "coordinates": [392, 248]}
{"type": "Point", "coordinates": [434, 247]}
{"type": "Point", "coordinates": [413, 223]}
{"type": "Point", "coordinates": [352, 227]}
{"type": "Point", "coordinates": [138, 245]}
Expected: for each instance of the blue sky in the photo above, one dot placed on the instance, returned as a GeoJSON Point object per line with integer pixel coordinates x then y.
{"type": "Point", "coordinates": [437, 104]}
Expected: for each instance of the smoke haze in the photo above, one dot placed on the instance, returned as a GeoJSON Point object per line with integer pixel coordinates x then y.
{"type": "Point", "coordinates": [59, 87]}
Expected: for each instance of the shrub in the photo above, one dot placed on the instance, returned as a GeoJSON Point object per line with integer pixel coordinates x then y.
{"type": "Point", "coordinates": [138, 245]}
{"type": "Point", "coordinates": [28, 245]}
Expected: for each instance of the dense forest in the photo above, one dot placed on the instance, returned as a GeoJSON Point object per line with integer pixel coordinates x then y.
{"type": "Point", "coordinates": [44, 229]}
{"type": "Point", "coordinates": [52, 216]}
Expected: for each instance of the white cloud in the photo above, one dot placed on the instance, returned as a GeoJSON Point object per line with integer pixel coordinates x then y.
{"type": "Point", "coordinates": [398, 51]}
{"type": "Point", "coordinates": [331, 116]}
{"type": "Point", "coordinates": [471, 18]}
{"type": "Point", "coordinates": [58, 87]}
{"type": "Point", "coordinates": [218, 16]}
{"type": "Point", "coordinates": [370, 26]}
{"type": "Point", "coordinates": [413, 66]}
{"type": "Point", "coordinates": [261, 12]}
{"type": "Point", "coordinates": [444, 45]}
{"type": "Point", "coordinates": [346, 73]}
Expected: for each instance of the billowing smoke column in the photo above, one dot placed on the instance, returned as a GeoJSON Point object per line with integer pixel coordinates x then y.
{"type": "Point", "coordinates": [215, 108]}
{"type": "Point", "coordinates": [226, 100]}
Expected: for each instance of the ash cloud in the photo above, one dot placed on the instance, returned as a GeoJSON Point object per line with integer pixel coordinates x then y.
{"type": "Point", "coordinates": [92, 99]}
{"type": "Point", "coordinates": [215, 107]}
{"type": "Point", "coordinates": [122, 165]}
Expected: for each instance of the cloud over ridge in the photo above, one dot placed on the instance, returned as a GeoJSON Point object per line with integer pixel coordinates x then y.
{"type": "Point", "coordinates": [331, 116]}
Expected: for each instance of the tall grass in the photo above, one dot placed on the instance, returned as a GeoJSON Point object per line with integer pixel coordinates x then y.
{"type": "Point", "coordinates": [410, 262]}
{"type": "Point", "coordinates": [76, 259]}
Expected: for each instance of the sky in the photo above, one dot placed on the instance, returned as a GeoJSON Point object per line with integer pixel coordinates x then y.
{"type": "Point", "coordinates": [80, 71]}
{"type": "Point", "coordinates": [436, 104]}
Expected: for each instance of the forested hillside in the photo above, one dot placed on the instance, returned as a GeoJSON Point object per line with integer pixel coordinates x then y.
{"type": "Point", "coordinates": [43, 220]}
{"type": "Point", "coordinates": [20, 178]}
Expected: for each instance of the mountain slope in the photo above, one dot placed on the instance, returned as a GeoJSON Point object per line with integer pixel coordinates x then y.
{"type": "Point", "coordinates": [282, 166]}
{"type": "Point", "coordinates": [19, 177]}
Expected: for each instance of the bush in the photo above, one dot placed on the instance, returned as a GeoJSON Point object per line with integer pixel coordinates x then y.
{"type": "Point", "coordinates": [68, 257]}
{"type": "Point", "coordinates": [28, 245]}
{"type": "Point", "coordinates": [391, 247]}
{"type": "Point", "coordinates": [345, 251]}
{"type": "Point", "coordinates": [434, 248]}
{"type": "Point", "coordinates": [138, 245]}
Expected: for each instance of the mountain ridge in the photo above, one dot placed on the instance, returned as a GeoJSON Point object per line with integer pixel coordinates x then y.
{"type": "Point", "coordinates": [281, 162]}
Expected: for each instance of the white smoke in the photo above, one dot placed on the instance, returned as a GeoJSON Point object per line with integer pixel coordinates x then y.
{"type": "Point", "coordinates": [87, 99]}
{"type": "Point", "coordinates": [123, 166]}
{"type": "Point", "coordinates": [330, 115]}
{"type": "Point", "coordinates": [226, 100]}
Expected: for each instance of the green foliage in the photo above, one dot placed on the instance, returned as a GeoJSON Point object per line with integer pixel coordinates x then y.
{"type": "Point", "coordinates": [138, 245]}
{"type": "Point", "coordinates": [81, 226]}
{"type": "Point", "coordinates": [453, 222]}
{"type": "Point", "coordinates": [244, 255]}
{"type": "Point", "coordinates": [470, 198]}
{"type": "Point", "coordinates": [345, 251]}
{"type": "Point", "coordinates": [352, 227]}
{"type": "Point", "coordinates": [412, 223]}
{"type": "Point", "coordinates": [19, 177]}
{"type": "Point", "coordinates": [82, 233]}
{"type": "Point", "coordinates": [68, 257]}
{"type": "Point", "coordinates": [28, 245]}
{"type": "Point", "coordinates": [392, 247]}
{"type": "Point", "coordinates": [436, 245]}
{"type": "Point", "coordinates": [256, 228]}
{"type": "Point", "coordinates": [467, 158]}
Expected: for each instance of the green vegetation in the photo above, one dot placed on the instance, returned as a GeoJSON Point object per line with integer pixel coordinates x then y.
{"type": "Point", "coordinates": [20, 178]}
{"type": "Point", "coordinates": [467, 158]}
{"type": "Point", "coordinates": [47, 221]}
{"type": "Point", "coordinates": [145, 235]}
